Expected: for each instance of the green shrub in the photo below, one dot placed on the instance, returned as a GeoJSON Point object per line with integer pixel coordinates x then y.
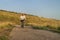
{"type": "Point", "coordinates": [6, 30]}
{"type": "Point", "coordinates": [35, 27]}
{"type": "Point", "coordinates": [40, 27]}
{"type": "Point", "coordinates": [3, 38]}
{"type": "Point", "coordinates": [48, 28]}
{"type": "Point", "coordinates": [58, 28]}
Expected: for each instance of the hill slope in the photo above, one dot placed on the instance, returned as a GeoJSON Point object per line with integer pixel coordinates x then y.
{"type": "Point", "coordinates": [13, 17]}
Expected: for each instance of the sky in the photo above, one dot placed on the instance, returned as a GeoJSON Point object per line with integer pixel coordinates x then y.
{"type": "Point", "coordinates": [41, 8]}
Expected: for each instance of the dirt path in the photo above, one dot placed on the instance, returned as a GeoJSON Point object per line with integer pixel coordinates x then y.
{"type": "Point", "coordinates": [28, 33]}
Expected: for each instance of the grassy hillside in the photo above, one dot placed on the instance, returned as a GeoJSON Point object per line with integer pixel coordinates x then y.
{"type": "Point", "coordinates": [13, 18]}
{"type": "Point", "coordinates": [8, 19]}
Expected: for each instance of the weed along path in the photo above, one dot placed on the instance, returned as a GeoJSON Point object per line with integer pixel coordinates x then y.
{"type": "Point", "coordinates": [28, 33]}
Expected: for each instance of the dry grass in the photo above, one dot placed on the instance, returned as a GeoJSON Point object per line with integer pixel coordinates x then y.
{"type": "Point", "coordinates": [5, 29]}
{"type": "Point", "coordinates": [13, 17]}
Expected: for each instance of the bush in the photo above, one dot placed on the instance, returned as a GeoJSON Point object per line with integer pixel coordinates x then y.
{"type": "Point", "coordinates": [40, 27]}
{"type": "Point", "coordinates": [6, 31]}
{"type": "Point", "coordinates": [3, 38]}
{"type": "Point", "coordinates": [49, 28]}
{"type": "Point", "coordinates": [58, 28]}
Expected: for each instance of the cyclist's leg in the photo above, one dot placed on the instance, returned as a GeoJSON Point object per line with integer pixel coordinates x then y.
{"type": "Point", "coordinates": [22, 23]}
